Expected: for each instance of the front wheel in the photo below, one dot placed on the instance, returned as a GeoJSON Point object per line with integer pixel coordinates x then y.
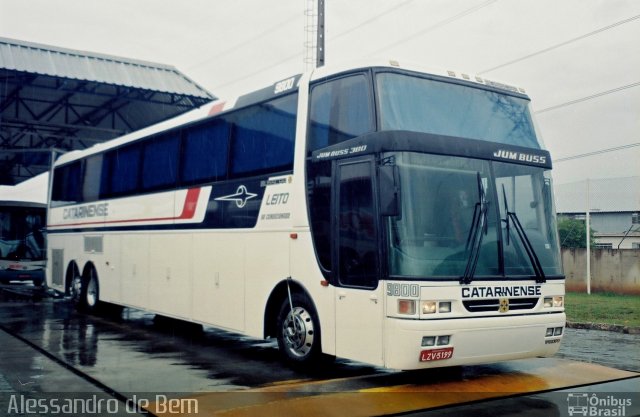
{"type": "Point", "coordinates": [299, 331]}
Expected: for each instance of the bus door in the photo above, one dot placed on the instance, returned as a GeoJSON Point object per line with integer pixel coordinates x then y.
{"type": "Point", "coordinates": [359, 304]}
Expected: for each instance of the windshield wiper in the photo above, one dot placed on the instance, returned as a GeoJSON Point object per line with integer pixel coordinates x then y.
{"type": "Point", "coordinates": [528, 247]}
{"type": "Point", "coordinates": [476, 233]}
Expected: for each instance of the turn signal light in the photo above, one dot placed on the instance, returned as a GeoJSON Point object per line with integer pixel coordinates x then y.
{"type": "Point", "coordinates": [407, 307]}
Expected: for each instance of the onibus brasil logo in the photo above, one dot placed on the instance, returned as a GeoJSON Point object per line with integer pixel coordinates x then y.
{"type": "Point", "coordinates": [597, 405]}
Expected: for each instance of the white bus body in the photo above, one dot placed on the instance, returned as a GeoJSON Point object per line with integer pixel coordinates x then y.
{"type": "Point", "coordinates": [295, 196]}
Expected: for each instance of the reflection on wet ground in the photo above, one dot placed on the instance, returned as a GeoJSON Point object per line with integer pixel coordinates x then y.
{"type": "Point", "coordinates": [123, 348]}
{"type": "Point", "coordinates": [616, 350]}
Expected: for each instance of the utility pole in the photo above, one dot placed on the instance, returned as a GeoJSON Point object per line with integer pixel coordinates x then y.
{"type": "Point", "coordinates": [314, 43]}
{"type": "Point", "coordinates": [320, 36]}
{"type": "Point", "coordinates": [588, 226]}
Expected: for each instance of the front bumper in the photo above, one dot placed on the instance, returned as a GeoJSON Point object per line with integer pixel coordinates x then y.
{"type": "Point", "coordinates": [474, 340]}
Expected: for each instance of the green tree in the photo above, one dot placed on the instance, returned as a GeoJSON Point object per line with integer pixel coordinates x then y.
{"type": "Point", "coordinates": [573, 233]}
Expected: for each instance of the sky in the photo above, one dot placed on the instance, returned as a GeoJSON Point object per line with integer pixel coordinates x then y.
{"type": "Point", "coordinates": [578, 60]}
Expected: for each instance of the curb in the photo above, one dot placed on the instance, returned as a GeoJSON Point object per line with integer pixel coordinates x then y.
{"type": "Point", "coordinates": [618, 328]}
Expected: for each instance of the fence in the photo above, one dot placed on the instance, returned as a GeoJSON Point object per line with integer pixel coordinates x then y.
{"type": "Point", "coordinates": [612, 270]}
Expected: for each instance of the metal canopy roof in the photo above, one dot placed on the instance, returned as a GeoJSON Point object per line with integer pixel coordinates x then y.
{"type": "Point", "coordinates": [52, 97]}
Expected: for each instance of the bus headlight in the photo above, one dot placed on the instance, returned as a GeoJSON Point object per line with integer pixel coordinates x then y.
{"type": "Point", "coordinates": [428, 307]}
{"type": "Point", "coordinates": [555, 301]}
{"type": "Point", "coordinates": [558, 301]}
{"type": "Point", "coordinates": [432, 307]}
{"type": "Point", "coordinates": [444, 307]}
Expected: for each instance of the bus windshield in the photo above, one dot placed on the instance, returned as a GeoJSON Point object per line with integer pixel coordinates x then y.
{"type": "Point", "coordinates": [445, 201]}
{"type": "Point", "coordinates": [21, 236]}
{"type": "Point", "coordinates": [425, 105]}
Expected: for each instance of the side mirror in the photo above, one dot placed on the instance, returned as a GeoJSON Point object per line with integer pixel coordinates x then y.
{"type": "Point", "coordinates": [389, 190]}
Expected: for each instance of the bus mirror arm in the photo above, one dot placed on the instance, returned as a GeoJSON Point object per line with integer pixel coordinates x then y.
{"type": "Point", "coordinates": [389, 185]}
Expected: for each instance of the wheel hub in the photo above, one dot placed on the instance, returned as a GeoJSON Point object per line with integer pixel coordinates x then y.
{"type": "Point", "coordinates": [76, 288]}
{"type": "Point", "coordinates": [298, 332]}
{"type": "Point", "coordinates": [92, 293]}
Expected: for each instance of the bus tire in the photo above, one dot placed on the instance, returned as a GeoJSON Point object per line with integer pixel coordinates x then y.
{"type": "Point", "coordinates": [298, 332]}
{"type": "Point", "coordinates": [86, 291]}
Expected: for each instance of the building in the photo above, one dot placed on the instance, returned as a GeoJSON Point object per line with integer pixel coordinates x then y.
{"type": "Point", "coordinates": [614, 208]}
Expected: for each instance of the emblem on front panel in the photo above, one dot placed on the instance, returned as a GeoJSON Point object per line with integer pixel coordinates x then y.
{"type": "Point", "coordinates": [241, 196]}
{"type": "Point", "coordinates": [504, 305]}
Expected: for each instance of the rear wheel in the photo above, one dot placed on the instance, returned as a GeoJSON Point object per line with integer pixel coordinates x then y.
{"type": "Point", "coordinates": [298, 331]}
{"type": "Point", "coordinates": [92, 291]}
{"type": "Point", "coordinates": [85, 290]}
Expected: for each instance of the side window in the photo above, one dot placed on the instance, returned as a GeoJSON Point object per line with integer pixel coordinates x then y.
{"type": "Point", "coordinates": [357, 252]}
{"type": "Point", "coordinates": [319, 194]}
{"type": "Point", "coordinates": [340, 109]}
{"type": "Point", "coordinates": [205, 152]}
{"type": "Point", "coordinates": [160, 161]}
{"type": "Point", "coordinates": [92, 178]}
{"type": "Point", "coordinates": [67, 184]}
{"type": "Point", "coordinates": [263, 137]}
{"type": "Point", "coordinates": [123, 167]}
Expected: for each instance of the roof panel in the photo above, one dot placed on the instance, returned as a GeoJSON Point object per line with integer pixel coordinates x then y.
{"type": "Point", "coordinates": [50, 60]}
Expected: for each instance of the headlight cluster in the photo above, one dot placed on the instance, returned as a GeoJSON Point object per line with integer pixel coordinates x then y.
{"type": "Point", "coordinates": [408, 307]}
{"type": "Point", "coordinates": [431, 307]}
{"type": "Point", "coordinates": [555, 301]}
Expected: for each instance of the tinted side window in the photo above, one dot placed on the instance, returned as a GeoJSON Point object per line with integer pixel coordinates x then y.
{"type": "Point", "coordinates": [340, 110]}
{"type": "Point", "coordinates": [205, 152]}
{"type": "Point", "coordinates": [263, 137]}
{"type": "Point", "coordinates": [160, 167]}
{"type": "Point", "coordinates": [92, 180]}
{"type": "Point", "coordinates": [123, 167]}
{"type": "Point", "coordinates": [357, 249]}
{"type": "Point", "coordinates": [67, 183]}
{"type": "Point", "coordinates": [319, 193]}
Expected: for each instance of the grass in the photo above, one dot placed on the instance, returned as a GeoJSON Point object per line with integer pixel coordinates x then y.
{"type": "Point", "coordinates": [603, 308]}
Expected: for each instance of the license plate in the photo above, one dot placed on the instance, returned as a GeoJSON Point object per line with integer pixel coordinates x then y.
{"type": "Point", "coordinates": [436, 354]}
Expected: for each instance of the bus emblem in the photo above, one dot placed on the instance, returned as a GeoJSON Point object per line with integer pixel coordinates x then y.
{"type": "Point", "coordinates": [240, 197]}
{"type": "Point", "coordinates": [504, 305]}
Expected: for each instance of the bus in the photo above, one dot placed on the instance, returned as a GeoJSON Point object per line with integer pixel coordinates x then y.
{"type": "Point", "coordinates": [376, 212]}
{"type": "Point", "coordinates": [22, 241]}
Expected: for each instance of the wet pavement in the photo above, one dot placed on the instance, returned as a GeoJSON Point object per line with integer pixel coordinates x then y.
{"type": "Point", "coordinates": [613, 349]}
{"type": "Point", "coordinates": [169, 355]}
{"type": "Point", "coordinates": [119, 352]}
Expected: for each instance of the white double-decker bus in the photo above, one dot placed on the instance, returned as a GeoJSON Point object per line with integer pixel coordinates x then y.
{"type": "Point", "coordinates": [376, 213]}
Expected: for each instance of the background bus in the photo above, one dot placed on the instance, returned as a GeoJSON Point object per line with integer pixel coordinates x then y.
{"type": "Point", "coordinates": [376, 213]}
{"type": "Point", "coordinates": [22, 242]}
